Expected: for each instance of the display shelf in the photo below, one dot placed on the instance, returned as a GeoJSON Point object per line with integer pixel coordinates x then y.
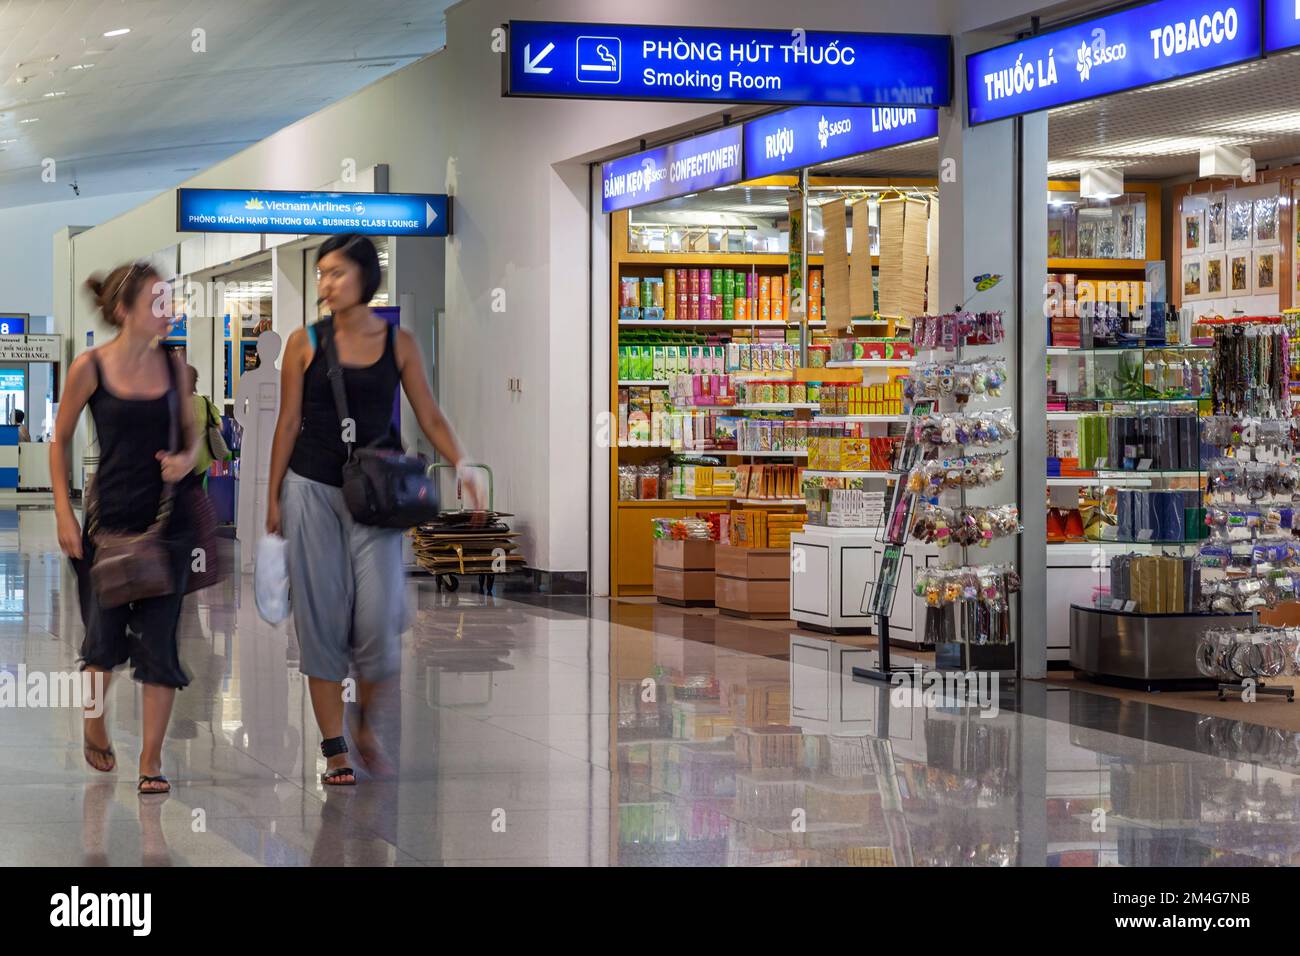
{"type": "Point", "coordinates": [862, 418]}
{"type": "Point", "coordinates": [652, 382]}
{"type": "Point", "coordinates": [699, 323]}
{"type": "Point", "coordinates": [1134, 347]}
{"type": "Point", "coordinates": [810, 473]}
{"type": "Point", "coordinates": [768, 453]}
{"type": "Point", "coordinates": [775, 406]}
{"type": "Point", "coordinates": [1089, 547]}
{"type": "Point", "coordinates": [759, 260]}
{"type": "Point", "coordinates": [662, 502]}
{"type": "Point", "coordinates": [1060, 264]}
{"type": "Point", "coordinates": [787, 502]}
{"type": "Point", "coordinates": [1066, 416]}
{"type": "Point", "coordinates": [645, 444]}
{"type": "Point", "coordinates": [873, 363]}
{"type": "Point", "coordinates": [1079, 481]}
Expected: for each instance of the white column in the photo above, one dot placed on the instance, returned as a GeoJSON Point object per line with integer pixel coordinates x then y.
{"type": "Point", "coordinates": [289, 293]}
{"type": "Point", "coordinates": [416, 270]}
{"type": "Point", "coordinates": [992, 191]}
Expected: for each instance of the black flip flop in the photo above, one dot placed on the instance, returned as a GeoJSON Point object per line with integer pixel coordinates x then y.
{"type": "Point", "coordinates": [332, 747]}
{"type": "Point", "coordinates": [330, 777]}
{"type": "Point", "coordinates": [87, 748]}
{"type": "Point", "coordinates": [144, 778]}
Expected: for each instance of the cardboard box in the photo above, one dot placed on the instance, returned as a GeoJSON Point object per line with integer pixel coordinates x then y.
{"type": "Point", "coordinates": [752, 597]}
{"type": "Point", "coordinates": [692, 586]}
{"type": "Point", "coordinates": [687, 555]}
{"type": "Point", "coordinates": [758, 564]}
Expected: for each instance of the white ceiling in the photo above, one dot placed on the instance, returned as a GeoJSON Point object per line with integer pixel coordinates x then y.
{"type": "Point", "coordinates": [1157, 133]}
{"type": "Point", "coordinates": [151, 111]}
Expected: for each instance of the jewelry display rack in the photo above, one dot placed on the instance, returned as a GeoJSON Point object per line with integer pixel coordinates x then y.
{"type": "Point", "coordinates": [899, 514]}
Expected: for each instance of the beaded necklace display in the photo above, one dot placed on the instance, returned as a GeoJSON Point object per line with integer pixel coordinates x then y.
{"type": "Point", "coordinates": [1251, 370]}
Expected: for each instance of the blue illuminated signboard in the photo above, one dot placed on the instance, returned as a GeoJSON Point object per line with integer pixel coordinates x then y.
{"type": "Point", "coordinates": [13, 324]}
{"type": "Point", "coordinates": [692, 165]}
{"type": "Point", "coordinates": [1281, 25]}
{"type": "Point", "coordinates": [619, 61]}
{"type": "Point", "coordinates": [1122, 51]}
{"type": "Point", "coordinates": [321, 214]}
{"type": "Point", "coordinates": [811, 135]}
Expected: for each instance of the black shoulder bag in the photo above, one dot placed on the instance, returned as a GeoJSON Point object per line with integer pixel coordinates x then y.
{"type": "Point", "coordinates": [381, 486]}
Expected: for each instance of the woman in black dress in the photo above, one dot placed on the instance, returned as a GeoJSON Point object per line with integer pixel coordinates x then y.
{"type": "Point", "coordinates": [131, 387]}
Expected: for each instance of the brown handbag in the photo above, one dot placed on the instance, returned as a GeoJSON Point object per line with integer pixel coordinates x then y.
{"type": "Point", "coordinates": [136, 566]}
{"type": "Point", "coordinates": [133, 567]}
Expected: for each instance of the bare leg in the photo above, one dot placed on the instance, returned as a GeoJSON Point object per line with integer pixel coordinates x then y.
{"type": "Point", "coordinates": [370, 697]}
{"type": "Point", "coordinates": [95, 720]}
{"type": "Point", "coordinates": [327, 703]}
{"type": "Point", "coordinates": [157, 712]}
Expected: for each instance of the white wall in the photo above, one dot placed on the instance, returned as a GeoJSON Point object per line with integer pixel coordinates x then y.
{"type": "Point", "coordinates": [27, 273]}
{"type": "Point", "coordinates": [517, 171]}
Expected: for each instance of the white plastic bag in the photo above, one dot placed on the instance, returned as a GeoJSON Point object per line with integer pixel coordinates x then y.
{"type": "Point", "coordinates": [271, 578]}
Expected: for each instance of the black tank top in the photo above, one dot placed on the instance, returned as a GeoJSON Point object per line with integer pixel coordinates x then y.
{"type": "Point", "coordinates": [319, 453]}
{"type": "Point", "coordinates": [131, 432]}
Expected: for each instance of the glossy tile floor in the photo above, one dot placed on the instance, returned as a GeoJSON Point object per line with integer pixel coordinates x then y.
{"type": "Point", "coordinates": [554, 731]}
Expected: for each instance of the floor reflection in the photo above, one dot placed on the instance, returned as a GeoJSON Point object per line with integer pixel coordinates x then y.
{"type": "Point", "coordinates": [588, 733]}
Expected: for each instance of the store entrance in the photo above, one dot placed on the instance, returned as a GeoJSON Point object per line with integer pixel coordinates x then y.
{"type": "Point", "coordinates": [1172, 245]}
{"type": "Point", "coordinates": [737, 422]}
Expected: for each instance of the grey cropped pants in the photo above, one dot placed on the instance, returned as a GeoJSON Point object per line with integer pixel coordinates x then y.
{"type": "Point", "coordinates": [346, 584]}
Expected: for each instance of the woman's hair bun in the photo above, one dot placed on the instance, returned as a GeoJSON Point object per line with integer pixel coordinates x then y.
{"type": "Point", "coordinates": [96, 286]}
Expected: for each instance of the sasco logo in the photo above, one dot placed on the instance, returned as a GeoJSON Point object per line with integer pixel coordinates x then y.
{"type": "Point", "coordinates": [1097, 53]}
{"type": "Point", "coordinates": [826, 130]}
{"type": "Point", "coordinates": [649, 175]}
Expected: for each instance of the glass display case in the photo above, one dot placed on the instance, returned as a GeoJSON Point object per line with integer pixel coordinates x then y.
{"type": "Point", "coordinates": [1079, 228]}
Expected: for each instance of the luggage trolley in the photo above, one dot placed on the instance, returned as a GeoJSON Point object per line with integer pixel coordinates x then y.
{"type": "Point", "coordinates": [462, 543]}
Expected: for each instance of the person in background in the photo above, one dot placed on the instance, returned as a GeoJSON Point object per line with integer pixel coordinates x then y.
{"type": "Point", "coordinates": [346, 578]}
{"type": "Point", "coordinates": [133, 389]}
{"type": "Point", "coordinates": [20, 417]}
{"type": "Point", "coordinates": [206, 415]}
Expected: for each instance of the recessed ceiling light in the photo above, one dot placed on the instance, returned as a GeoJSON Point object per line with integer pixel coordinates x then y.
{"type": "Point", "coordinates": [53, 93]}
{"type": "Point", "coordinates": [376, 66]}
{"type": "Point", "coordinates": [37, 60]}
{"type": "Point", "coordinates": [31, 119]}
{"type": "Point", "coordinates": [6, 142]}
{"type": "Point", "coordinates": [82, 66]}
{"type": "Point", "coordinates": [117, 33]}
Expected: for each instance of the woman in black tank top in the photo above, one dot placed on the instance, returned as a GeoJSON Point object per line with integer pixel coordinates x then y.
{"type": "Point", "coordinates": [346, 579]}
{"type": "Point", "coordinates": [130, 385]}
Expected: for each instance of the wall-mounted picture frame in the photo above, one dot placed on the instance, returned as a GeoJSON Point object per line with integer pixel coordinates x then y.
{"type": "Point", "coordinates": [1087, 239]}
{"type": "Point", "coordinates": [1241, 219]}
{"type": "Point", "coordinates": [1265, 271]}
{"type": "Point", "coordinates": [1216, 223]}
{"type": "Point", "coordinates": [1193, 232]}
{"type": "Point", "coordinates": [1266, 221]}
{"type": "Point", "coordinates": [1239, 273]}
{"type": "Point", "coordinates": [1127, 234]}
{"type": "Point", "coordinates": [1192, 278]}
{"type": "Point", "coordinates": [1106, 237]}
{"type": "Point", "coordinates": [1214, 276]}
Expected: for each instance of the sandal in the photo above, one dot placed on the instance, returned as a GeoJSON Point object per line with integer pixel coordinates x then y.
{"type": "Point", "coordinates": [144, 778]}
{"type": "Point", "coordinates": [87, 748]}
{"type": "Point", "coordinates": [332, 747]}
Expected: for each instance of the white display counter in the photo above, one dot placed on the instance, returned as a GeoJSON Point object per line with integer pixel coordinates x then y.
{"type": "Point", "coordinates": [33, 466]}
{"type": "Point", "coordinates": [832, 571]}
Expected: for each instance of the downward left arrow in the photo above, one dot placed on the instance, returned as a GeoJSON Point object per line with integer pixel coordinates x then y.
{"type": "Point", "coordinates": [531, 63]}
